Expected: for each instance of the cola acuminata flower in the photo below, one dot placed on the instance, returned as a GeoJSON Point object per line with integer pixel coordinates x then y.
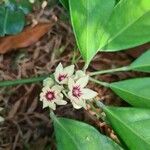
{"type": "Point", "coordinates": [62, 74]}
{"type": "Point", "coordinates": [51, 96]}
{"type": "Point", "coordinates": [78, 94]}
{"type": "Point", "coordinates": [69, 85]}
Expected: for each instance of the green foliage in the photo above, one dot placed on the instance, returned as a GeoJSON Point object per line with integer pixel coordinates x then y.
{"type": "Point", "coordinates": [142, 63]}
{"type": "Point", "coordinates": [65, 3]}
{"type": "Point", "coordinates": [101, 26]}
{"type": "Point", "coordinates": [128, 26]}
{"type": "Point", "coordinates": [75, 135]}
{"type": "Point", "coordinates": [88, 20]}
{"type": "Point", "coordinates": [12, 16]}
{"type": "Point", "coordinates": [25, 6]}
{"type": "Point", "coordinates": [132, 125]}
{"type": "Point", "coordinates": [134, 91]}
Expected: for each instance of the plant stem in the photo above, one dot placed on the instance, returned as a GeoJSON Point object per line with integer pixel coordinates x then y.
{"type": "Point", "coordinates": [85, 67]}
{"type": "Point", "coordinates": [22, 81]}
{"type": "Point", "coordinates": [52, 115]}
{"type": "Point", "coordinates": [105, 84]}
{"type": "Point", "coordinates": [126, 68]}
{"type": "Point", "coordinates": [100, 104]}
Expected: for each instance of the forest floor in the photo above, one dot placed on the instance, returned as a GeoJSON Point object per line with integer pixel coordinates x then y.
{"type": "Point", "coordinates": [27, 125]}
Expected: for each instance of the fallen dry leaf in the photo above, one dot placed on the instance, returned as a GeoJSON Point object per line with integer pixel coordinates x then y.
{"type": "Point", "coordinates": [29, 36]}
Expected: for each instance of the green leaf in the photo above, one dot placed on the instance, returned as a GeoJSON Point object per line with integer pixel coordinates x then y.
{"type": "Point", "coordinates": [65, 3]}
{"type": "Point", "coordinates": [88, 18]}
{"type": "Point", "coordinates": [12, 16]}
{"type": "Point", "coordinates": [134, 91]}
{"type": "Point", "coordinates": [117, 1]}
{"type": "Point", "coordinates": [11, 4]}
{"type": "Point", "coordinates": [128, 26]}
{"type": "Point", "coordinates": [2, 18]}
{"type": "Point", "coordinates": [13, 26]}
{"type": "Point", "coordinates": [25, 6]}
{"type": "Point", "coordinates": [12, 21]}
{"type": "Point", "coordinates": [132, 125]}
{"type": "Point", "coordinates": [142, 63]}
{"type": "Point", "coordinates": [75, 135]}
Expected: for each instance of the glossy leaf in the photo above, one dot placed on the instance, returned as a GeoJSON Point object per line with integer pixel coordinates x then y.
{"type": "Point", "coordinates": [11, 4]}
{"type": "Point", "coordinates": [2, 18]}
{"type": "Point", "coordinates": [132, 125]}
{"type": "Point", "coordinates": [9, 23]}
{"type": "Point", "coordinates": [142, 63]}
{"type": "Point", "coordinates": [75, 135]}
{"type": "Point", "coordinates": [134, 91]}
{"type": "Point", "coordinates": [12, 16]}
{"type": "Point", "coordinates": [25, 6]}
{"type": "Point", "coordinates": [13, 26]}
{"type": "Point", "coordinates": [128, 26]}
{"type": "Point", "coordinates": [88, 19]}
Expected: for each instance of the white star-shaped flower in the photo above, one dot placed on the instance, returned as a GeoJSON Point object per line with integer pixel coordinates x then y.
{"type": "Point", "coordinates": [52, 96]}
{"type": "Point", "coordinates": [62, 74]}
{"type": "Point", "coordinates": [78, 94]}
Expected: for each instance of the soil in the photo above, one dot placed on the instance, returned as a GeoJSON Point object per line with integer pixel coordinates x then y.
{"type": "Point", "coordinates": [27, 125]}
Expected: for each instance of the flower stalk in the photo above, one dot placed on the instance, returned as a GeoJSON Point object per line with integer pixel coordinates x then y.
{"type": "Point", "coordinates": [22, 81]}
{"type": "Point", "coordinates": [126, 68]}
{"type": "Point", "coordinates": [105, 84]}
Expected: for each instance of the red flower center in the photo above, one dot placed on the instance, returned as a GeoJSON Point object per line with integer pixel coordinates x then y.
{"type": "Point", "coordinates": [76, 91]}
{"type": "Point", "coordinates": [50, 95]}
{"type": "Point", "coordinates": [62, 77]}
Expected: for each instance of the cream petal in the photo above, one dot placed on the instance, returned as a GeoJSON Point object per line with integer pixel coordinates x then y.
{"type": "Point", "coordinates": [45, 89]}
{"type": "Point", "coordinates": [56, 75]}
{"type": "Point", "coordinates": [88, 93]}
{"type": "Point", "coordinates": [71, 97]}
{"type": "Point", "coordinates": [65, 81]}
{"type": "Point", "coordinates": [79, 74]}
{"type": "Point", "coordinates": [48, 82]}
{"type": "Point", "coordinates": [75, 105]}
{"type": "Point", "coordinates": [57, 88]}
{"type": "Point", "coordinates": [60, 102]}
{"type": "Point", "coordinates": [77, 101]}
{"type": "Point", "coordinates": [83, 81]}
{"type": "Point", "coordinates": [45, 104]}
{"type": "Point", "coordinates": [69, 70]}
{"type": "Point", "coordinates": [70, 84]}
{"type": "Point", "coordinates": [42, 96]}
{"type": "Point", "coordinates": [82, 103]}
{"type": "Point", "coordinates": [59, 68]}
{"type": "Point", "coordinates": [52, 105]}
{"type": "Point", "coordinates": [60, 95]}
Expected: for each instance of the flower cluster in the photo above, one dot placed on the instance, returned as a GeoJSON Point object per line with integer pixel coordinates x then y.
{"type": "Point", "coordinates": [67, 84]}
